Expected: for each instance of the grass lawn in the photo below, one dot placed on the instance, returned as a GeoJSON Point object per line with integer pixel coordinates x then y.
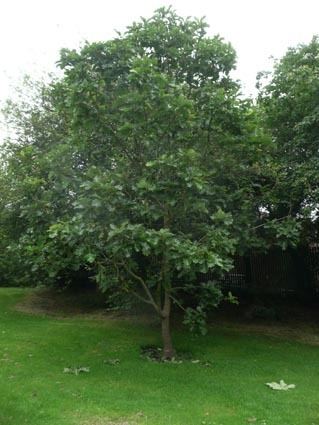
{"type": "Point", "coordinates": [34, 390]}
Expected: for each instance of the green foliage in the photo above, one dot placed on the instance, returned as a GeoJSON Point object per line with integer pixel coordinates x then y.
{"type": "Point", "coordinates": [207, 296]}
{"type": "Point", "coordinates": [289, 103]}
{"type": "Point", "coordinates": [195, 319]}
{"type": "Point", "coordinates": [142, 164]}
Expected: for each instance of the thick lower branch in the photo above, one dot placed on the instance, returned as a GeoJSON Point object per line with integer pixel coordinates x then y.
{"type": "Point", "coordinates": [147, 291]}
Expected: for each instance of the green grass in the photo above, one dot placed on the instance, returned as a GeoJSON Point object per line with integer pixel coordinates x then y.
{"type": "Point", "coordinates": [35, 349]}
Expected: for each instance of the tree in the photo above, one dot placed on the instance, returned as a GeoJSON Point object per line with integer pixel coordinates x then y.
{"type": "Point", "coordinates": [143, 108]}
{"type": "Point", "coordinates": [289, 102]}
{"type": "Point", "coordinates": [37, 183]}
{"type": "Point", "coordinates": [143, 164]}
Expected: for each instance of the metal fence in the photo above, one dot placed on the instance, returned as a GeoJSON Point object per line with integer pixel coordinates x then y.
{"type": "Point", "coordinates": [286, 272]}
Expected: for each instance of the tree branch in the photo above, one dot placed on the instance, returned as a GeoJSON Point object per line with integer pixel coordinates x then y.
{"type": "Point", "coordinates": [147, 291]}
{"type": "Point", "coordinates": [178, 303]}
{"type": "Point", "coordinates": [275, 219]}
{"type": "Point", "coordinates": [137, 295]}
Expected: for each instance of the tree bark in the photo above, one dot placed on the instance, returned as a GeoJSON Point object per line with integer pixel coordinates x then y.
{"type": "Point", "coordinates": [168, 350]}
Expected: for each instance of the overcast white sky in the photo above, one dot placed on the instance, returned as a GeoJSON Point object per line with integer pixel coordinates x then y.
{"type": "Point", "coordinates": [33, 31]}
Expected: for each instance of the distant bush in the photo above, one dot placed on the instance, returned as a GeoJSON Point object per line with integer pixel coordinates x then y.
{"type": "Point", "coordinates": [262, 312]}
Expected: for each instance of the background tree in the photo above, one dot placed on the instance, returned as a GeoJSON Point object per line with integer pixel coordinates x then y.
{"type": "Point", "coordinates": [37, 181]}
{"type": "Point", "coordinates": [289, 101]}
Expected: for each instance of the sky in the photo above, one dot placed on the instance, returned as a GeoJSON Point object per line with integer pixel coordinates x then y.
{"type": "Point", "coordinates": [33, 31]}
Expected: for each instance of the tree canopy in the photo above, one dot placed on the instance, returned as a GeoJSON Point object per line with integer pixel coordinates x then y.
{"type": "Point", "coordinates": [144, 165]}
{"type": "Point", "coordinates": [289, 101]}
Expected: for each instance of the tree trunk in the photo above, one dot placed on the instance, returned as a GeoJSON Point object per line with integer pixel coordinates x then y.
{"type": "Point", "coordinates": [168, 350]}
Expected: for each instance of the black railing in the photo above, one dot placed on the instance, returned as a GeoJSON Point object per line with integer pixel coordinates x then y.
{"type": "Point", "coordinates": [277, 271]}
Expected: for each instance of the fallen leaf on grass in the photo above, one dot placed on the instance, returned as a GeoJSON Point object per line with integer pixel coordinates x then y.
{"type": "Point", "coordinates": [76, 370]}
{"type": "Point", "coordinates": [281, 386]}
